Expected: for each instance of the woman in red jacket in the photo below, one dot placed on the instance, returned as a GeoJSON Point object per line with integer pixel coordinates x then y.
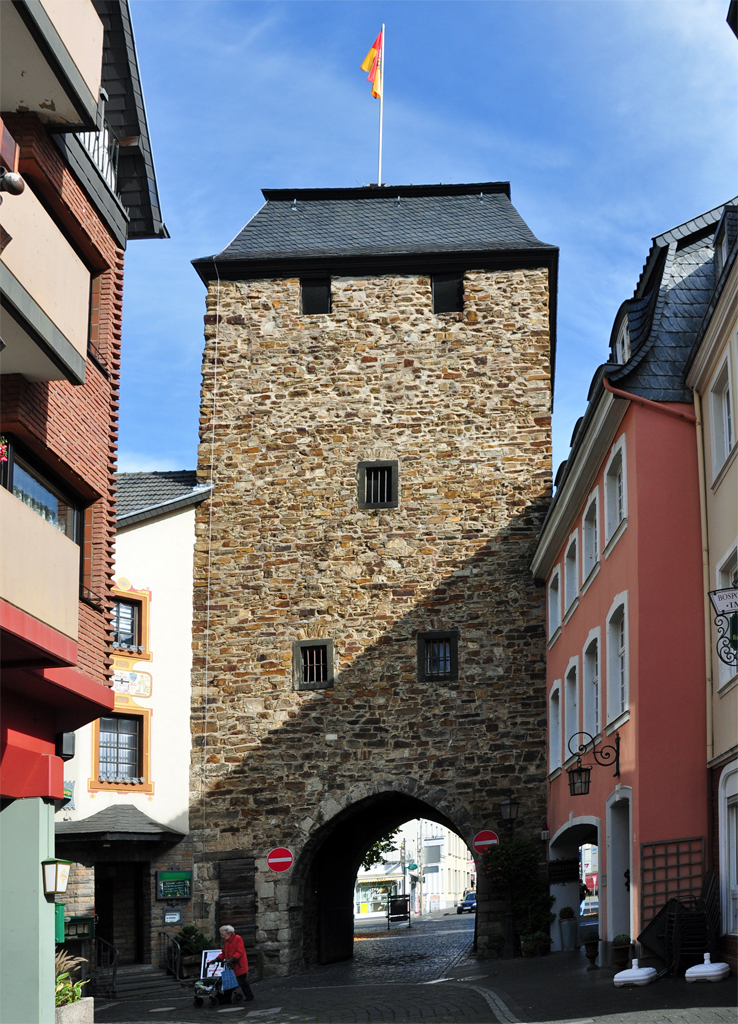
{"type": "Point", "coordinates": [234, 956]}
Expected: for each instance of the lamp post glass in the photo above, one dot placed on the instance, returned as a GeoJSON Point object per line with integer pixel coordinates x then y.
{"type": "Point", "coordinates": [509, 808]}
{"type": "Point", "coordinates": [56, 876]}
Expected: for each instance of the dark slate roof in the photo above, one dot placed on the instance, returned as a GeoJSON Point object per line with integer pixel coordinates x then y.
{"type": "Point", "coordinates": [126, 114]}
{"type": "Point", "coordinates": [121, 821]}
{"type": "Point", "coordinates": [379, 223]}
{"type": "Point", "coordinates": [668, 306]}
{"type": "Point", "coordinates": [145, 495]}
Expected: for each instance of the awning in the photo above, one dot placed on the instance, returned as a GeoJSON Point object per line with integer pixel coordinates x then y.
{"type": "Point", "coordinates": [121, 822]}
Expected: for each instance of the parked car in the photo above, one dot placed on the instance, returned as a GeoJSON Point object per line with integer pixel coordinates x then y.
{"type": "Point", "coordinates": [589, 905]}
{"type": "Point", "coordinates": [468, 904]}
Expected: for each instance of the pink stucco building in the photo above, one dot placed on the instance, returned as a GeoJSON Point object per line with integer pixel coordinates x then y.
{"type": "Point", "coordinates": [621, 557]}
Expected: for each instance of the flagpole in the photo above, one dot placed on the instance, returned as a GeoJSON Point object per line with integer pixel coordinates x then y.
{"type": "Point", "coordinates": [381, 107]}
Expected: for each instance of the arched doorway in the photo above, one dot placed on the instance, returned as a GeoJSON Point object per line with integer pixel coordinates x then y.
{"type": "Point", "coordinates": [324, 877]}
{"type": "Point", "coordinates": [565, 866]}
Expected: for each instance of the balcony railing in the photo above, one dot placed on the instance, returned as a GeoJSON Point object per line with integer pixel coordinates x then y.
{"type": "Point", "coordinates": [103, 148]}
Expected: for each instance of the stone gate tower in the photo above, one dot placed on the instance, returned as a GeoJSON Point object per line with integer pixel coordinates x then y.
{"type": "Point", "coordinates": [369, 644]}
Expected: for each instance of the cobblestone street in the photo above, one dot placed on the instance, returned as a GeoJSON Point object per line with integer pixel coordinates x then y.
{"type": "Point", "coordinates": [429, 973]}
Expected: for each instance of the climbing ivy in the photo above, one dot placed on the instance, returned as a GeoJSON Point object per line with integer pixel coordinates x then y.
{"type": "Point", "coordinates": [515, 862]}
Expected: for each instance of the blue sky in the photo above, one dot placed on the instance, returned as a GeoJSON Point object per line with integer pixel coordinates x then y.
{"type": "Point", "coordinates": [613, 121]}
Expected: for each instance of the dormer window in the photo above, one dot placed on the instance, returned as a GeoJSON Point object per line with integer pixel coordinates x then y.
{"type": "Point", "coordinates": [622, 343]}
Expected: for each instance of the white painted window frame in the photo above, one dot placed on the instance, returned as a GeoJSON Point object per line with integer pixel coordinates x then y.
{"type": "Point", "coordinates": [593, 637]}
{"type": "Point", "coordinates": [571, 706]}
{"type": "Point", "coordinates": [554, 621]}
{"type": "Point", "coordinates": [555, 759]}
{"type": "Point", "coordinates": [614, 711]}
{"type": "Point", "coordinates": [592, 501]}
{"type": "Point", "coordinates": [571, 580]}
{"type": "Point", "coordinates": [618, 450]}
{"type": "Point", "coordinates": [722, 414]}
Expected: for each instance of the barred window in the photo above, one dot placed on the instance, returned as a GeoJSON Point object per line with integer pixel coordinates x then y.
{"type": "Point", "coordinates": [438, 656]}
{"type": "Point", "coordinates": [120, 749]}
{"type": "Point", "coordinates": [378, 484]}
{"type": "Point", "coordinates": [312, 664]}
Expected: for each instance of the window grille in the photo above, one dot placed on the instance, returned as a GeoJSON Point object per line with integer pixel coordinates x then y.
{"type": "Point", "coordinates": [378, 484]}
{"type": "Point", "coordinates": [314, 664]}
{"type": "Point", "coordinates": [120, 749]}
{"type": "Point", "coordinates": [438, 656]}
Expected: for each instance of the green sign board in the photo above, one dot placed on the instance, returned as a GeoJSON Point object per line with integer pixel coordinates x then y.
{"type": "Point", "coordinates": [412, 867]}
{"type": "Point", "coordinates": [173, 885]}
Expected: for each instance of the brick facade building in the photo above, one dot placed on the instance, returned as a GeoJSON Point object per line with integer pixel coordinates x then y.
{"type": "Point", "coordinates": [72, 124]}
{"type": "Point", "coordinates": [368, 643]}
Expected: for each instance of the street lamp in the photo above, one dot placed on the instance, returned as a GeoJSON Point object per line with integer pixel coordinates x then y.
{"type": "Point", "coordinates": [579, 774]}
{"type": "Point", "coordinates": [509, 810]}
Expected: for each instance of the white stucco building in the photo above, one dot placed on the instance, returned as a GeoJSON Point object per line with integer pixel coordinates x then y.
{"type": "Point", "coordinates": [126, 823]}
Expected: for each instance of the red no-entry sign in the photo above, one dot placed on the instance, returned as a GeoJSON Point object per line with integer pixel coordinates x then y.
{"type": "Point", "coordinates": [280, 859]}
{"type": "Point", "coordinates": [483, 840]}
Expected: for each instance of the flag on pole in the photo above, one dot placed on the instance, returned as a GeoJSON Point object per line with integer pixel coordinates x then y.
{"type": "Point", "coordinates": [373, 64]}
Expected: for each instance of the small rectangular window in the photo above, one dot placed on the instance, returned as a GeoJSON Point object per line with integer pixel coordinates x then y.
{"type": "Point", "coordinates": [315, 295]}
{"type": "Point", "coordinates": [571, 704]}
{"type": "Point", "coordinates": [554, 729]}
{"type": "Point", "coordinates": [126, 625]}
{"type": "Point", "coordinates": [438, 656]}
{"type": "Point", "coordinates": [312, 664]}
{"type": "Point", "coordinates": [448, 293]}
{"type": "Point", "coordinates": [120, 749]}
{"type": "Point", "coordinates": [377, 484]}
{"type": "Point", "coordinates": [617, 668]}
{"type": "Point", "coordinates": [592, 689]}
{"type": "Point", "coordinates": [722, 418]}
{"type": "Point", "coordinates": [616, 509]}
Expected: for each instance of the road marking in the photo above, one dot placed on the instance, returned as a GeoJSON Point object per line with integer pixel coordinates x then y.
{"type": "Point", "coordinates": [262, 1013]}
{"type": "Point", "coordinates": [162, 1009]}
{"type": "Point", "coordinates": [503, 1013]}
{"type": "Point", "coordinates": [436, 981]}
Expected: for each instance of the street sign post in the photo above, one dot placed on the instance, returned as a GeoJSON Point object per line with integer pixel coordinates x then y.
{"type": "Point", "coordinates": [280, 859]}
{"type": "Point", "coordinates": [484, 840]}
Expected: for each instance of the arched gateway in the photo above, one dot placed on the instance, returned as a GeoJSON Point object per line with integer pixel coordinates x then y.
{"type": "Point", "coordinates": [369, 644]}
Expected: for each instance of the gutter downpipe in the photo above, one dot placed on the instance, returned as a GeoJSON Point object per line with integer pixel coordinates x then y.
{"type": "Point", "coordinates": [705, 569]}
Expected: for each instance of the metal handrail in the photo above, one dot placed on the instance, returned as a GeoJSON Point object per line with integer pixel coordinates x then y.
{"type": "Point", "coordinates": [170, 955]}
{"type": "Point", "coordinates": [106, 967]}
{"type": "Point", "coordinates": [103, 148]}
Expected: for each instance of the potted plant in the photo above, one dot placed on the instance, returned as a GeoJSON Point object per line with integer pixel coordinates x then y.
{"type": "Point", "coordinates": [542, 943]}
{"type": "Point", "coordinates": [591, 940]}
{"type": "Point", "coordinates": [71, 1006]}
{"type": "Point", "coordinates": [568, 928]}
{"type": "Point", "coordinates": [621, 950]}
{"type": "Point", "coordinates": [527, 945]}
{"type": "Point", "coordinates": [192, 942]}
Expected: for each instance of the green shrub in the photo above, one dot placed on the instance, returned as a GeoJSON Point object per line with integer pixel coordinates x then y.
{"type": "Point", "coordinates": [542, 939]}
{"type": "Point", "coordinates": [566, 914]}
{"type": "Point", "coordinates": [67, 991]}
{"type": "Point", "coordinates": [192, 941]}
{"type": "Point", "coordinates": [621, 940]}
{"type": "Point", "coordinates": [516, 863]}
{"type": "Point", "coordinates": [590, 935]}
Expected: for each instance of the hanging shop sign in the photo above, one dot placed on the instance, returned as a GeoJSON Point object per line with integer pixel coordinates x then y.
{"type": "Point", "coordinates": [725, 606]}
{"type": "Point", "coordinates": [138, 684]}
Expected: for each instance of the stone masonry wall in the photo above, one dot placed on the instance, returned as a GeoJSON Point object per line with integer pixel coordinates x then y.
{"type": "Point", "coordinates": [462, 400]}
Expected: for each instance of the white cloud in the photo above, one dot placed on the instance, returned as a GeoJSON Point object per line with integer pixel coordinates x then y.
{"type": "Point", "coordinates": [146, 462]}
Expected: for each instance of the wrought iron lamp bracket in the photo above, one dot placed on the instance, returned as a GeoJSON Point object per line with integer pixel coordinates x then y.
{"type": "Point", "coordinates": [605, 756]}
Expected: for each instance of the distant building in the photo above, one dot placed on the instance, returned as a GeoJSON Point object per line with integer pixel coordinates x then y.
{"type": "Point", "coordinates": [125, 825]}
{"type": "Point", "coordinates": [432, 865]}
{"type": "Point", "coordinates": [621, 557]}
{"type": "Point", "coordinates": [73, 126]}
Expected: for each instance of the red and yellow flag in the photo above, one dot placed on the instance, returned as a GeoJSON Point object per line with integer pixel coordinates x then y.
{"type": "Point", "coordinates": [373, 64]}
